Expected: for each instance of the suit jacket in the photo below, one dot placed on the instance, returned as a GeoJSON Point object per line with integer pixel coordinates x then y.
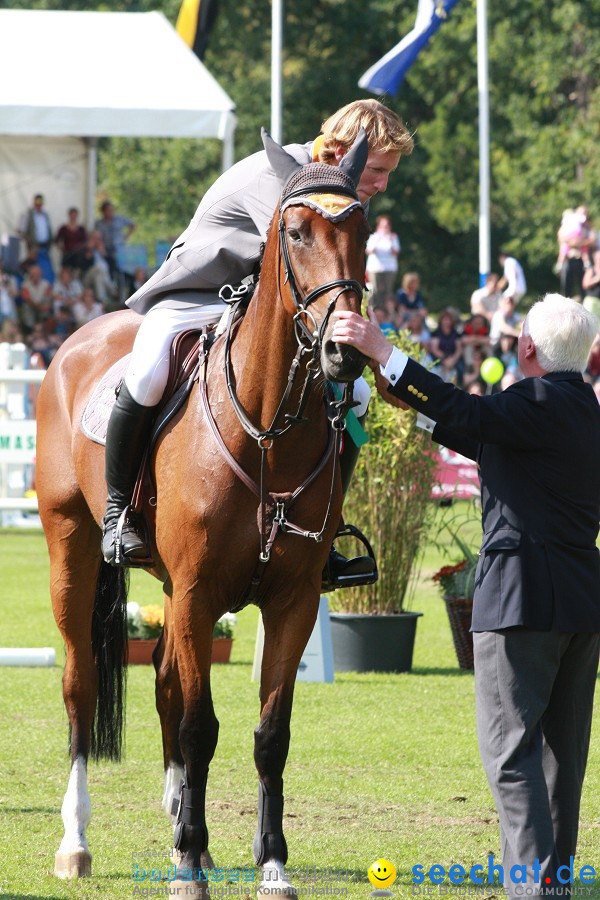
{"type": "Point", "coordinates": [538, 448]}
{"type": "Point", "coordinates": [222, 243]}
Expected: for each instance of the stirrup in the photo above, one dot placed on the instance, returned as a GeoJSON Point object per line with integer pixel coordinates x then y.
{"type": "Point", "coordinates": [330, 580]}
{"type": "Point", "coordinates": [119, 558]}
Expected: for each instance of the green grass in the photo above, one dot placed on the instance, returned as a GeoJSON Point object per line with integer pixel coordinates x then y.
{"type": "Point", "coordinates": [379, 765]}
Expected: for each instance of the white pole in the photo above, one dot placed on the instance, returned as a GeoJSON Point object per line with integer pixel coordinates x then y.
{"type": "Point", "coordinates": [484, 142]}
{"type": "Point", "coordinates": [276, 52]}
{"type": "Point", "coordinates": [92, 177]}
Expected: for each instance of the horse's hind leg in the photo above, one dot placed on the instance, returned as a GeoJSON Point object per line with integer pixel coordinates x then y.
{"type": "Point", "coordinates": [73, 542]}
{"type": "Point", "coordinates": [287, 630]}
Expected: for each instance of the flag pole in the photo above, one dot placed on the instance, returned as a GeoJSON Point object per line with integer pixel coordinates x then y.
{"type": "Point", "coordinates": [484, 142]}
{"type": "Point", "coordinates": [276, 53]}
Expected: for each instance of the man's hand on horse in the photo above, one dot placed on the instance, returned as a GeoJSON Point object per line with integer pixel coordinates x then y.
{"type": "Point", "coordinates": [351, 328]}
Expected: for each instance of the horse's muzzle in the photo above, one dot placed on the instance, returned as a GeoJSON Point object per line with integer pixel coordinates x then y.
{"type": "Point", "coordinates": [340, 362]}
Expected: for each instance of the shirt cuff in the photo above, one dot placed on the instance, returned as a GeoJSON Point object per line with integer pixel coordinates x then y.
{"type": "Point", "coordinates": [395, 366]}
{"type": "Point", "coordinates": [425, 422]}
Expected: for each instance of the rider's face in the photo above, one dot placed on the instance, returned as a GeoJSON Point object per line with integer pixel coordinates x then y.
{"type": "Point", "coordinates": [374, 179]}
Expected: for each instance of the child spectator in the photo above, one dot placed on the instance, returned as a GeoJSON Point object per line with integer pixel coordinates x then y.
{"type": "Point", "coordinates": [409, 298]}
{"type": "Point", "coordinates": [418, 332]}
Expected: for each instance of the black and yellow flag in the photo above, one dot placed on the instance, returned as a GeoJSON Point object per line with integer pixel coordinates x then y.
{"type": "Point", "coordinates": [195, 23]}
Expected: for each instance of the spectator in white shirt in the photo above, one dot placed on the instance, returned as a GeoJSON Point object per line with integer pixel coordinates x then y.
{"type": "Point", "coordinates": [513, 278]}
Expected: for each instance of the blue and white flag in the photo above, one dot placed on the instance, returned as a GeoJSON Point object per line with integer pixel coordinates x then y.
{"type": "Point", "coordinates": [386, 75]}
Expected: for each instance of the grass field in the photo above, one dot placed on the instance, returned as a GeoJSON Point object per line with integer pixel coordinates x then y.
{"type": "Point", "coordinates": [379, 765]}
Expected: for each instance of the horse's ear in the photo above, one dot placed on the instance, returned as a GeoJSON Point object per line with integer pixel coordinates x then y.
{"type": "Point", "coordinates": [355, 159]}
{"type": "Point", "coordinates": [281, 162]}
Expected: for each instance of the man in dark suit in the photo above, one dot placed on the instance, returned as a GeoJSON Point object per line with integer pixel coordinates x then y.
{"type": "Point", "coordinates": [536, 613]}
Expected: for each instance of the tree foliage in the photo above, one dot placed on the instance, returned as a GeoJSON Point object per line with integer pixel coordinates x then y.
{"type": "Point", "coordinates": [544, 66]}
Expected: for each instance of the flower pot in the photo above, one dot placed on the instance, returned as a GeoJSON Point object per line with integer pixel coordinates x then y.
{"type": "Point", "coordinates": [140, 651]}
{"type": "Point", "coordinates": [460, 612]}
{"type": "Point", "coordinates": [373, 643]}
{"type": "Point", "coordinates": [221, 649]}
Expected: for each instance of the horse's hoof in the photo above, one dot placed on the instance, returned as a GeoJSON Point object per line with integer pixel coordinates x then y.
{"type": "Point", "coordinates": [73, 865]}
{"type": "Point", "coordinates": [189, 890]}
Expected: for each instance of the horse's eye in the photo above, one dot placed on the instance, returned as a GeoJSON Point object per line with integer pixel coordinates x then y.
{"type": "Point", "coordinates": [294, 235]}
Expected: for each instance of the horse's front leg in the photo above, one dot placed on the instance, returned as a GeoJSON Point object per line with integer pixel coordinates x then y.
{"type": "Point", "coordinates": [192, 625]}
{"type": "Point", "coordinates": [288, 625]}
{"type": "Point", "coordinates": [169, 704]}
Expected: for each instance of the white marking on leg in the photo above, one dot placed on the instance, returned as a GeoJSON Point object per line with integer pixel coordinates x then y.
{"type": "Point", "coordinates": [173, 777]}
{"type": "Point", "coordinates": [274, 878]}
{"type": "Point", "coordinates": [76, 810]}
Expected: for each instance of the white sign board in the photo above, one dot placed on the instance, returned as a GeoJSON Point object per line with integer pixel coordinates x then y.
{"type": "Point", "coordinates": [17, 441]}
{"type": "Point", "coordinates": [317, 660]}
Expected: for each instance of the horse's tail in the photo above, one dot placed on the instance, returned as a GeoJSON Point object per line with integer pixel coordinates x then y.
{"type": "Point", "coordinates": [109, 646]}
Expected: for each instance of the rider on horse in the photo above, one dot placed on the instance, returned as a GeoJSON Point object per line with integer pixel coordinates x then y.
{"type": "Point", "coordinates": [222, 244]}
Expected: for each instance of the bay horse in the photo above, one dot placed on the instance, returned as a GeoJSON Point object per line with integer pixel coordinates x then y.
{"type": "Point", "coordinates": [251, 427]}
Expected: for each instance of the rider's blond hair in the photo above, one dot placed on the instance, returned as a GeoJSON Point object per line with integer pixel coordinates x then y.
{"type": "Point", "coordinates": [385, 130]}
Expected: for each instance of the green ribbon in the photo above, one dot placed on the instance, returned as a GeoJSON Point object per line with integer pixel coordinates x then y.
{"type": "Point", "coordinates": [353, 426]}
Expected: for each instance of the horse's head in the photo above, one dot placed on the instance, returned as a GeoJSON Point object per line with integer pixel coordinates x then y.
{"type": "Point", "coordinates": [322, 237]}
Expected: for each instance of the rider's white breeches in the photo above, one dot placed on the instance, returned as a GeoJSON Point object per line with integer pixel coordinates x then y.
{"type": "Point", "coordinates": [148, 370]}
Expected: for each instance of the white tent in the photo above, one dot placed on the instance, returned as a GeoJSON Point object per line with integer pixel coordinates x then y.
{"type": "Point", "coordinates": [67, 78]}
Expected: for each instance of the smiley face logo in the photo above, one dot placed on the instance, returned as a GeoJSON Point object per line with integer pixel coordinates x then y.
{"type": "Point", "coordinates": [382, 873]}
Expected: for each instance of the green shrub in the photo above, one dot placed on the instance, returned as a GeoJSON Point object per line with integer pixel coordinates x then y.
{"type": "Point", "coordinates": [389, 499]}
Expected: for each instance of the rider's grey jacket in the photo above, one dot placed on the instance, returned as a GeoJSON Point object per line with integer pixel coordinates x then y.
{"type": "Point", "coordinates": [222, 242]}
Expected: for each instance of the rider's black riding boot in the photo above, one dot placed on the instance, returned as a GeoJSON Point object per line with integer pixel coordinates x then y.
{"type": "Point", "coordinates": [340, 571]}
{"type": "Point", "coordinates": [128, 431]}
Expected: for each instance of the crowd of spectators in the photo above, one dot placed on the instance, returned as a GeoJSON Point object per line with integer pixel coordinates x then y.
{"type": "Point", "coordinates": [41, 307]}
{"type": "Point", "coordinates": [456, 344]}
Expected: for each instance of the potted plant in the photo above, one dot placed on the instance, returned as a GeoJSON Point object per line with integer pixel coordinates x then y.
{"type": "Point", "coordinates": [145, 624]}
{"type": "Point", "coordinates": [223, 638]}
{"type": "Point", "coordinates": [390, 500]}
{"type": "Point", "coordinates": [457, 582]}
